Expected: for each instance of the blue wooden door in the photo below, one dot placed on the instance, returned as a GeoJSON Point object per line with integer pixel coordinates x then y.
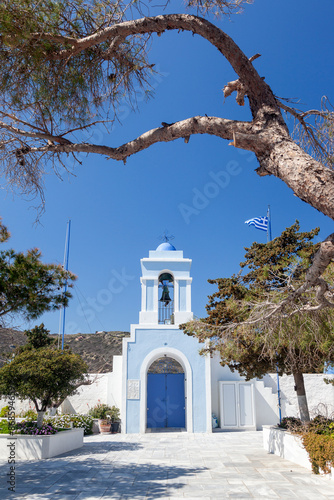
{"type": "Point", "coordinates": [156, 400]}
{"type": "Point", "coordinates": [175, 401]}
{"type": "Point", "coordinates": [165, 400]}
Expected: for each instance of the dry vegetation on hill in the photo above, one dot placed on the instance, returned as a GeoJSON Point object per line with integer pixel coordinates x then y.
{"type": "Point", "coordinates": [97, 349]}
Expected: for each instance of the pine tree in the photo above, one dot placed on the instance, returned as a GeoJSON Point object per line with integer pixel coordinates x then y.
{"type": "Point", "coordinates": [255, 327]}
{"type": "Point", "coordinates": [28, 287]}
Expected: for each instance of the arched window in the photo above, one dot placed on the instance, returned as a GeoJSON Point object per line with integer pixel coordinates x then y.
{"type": "Point", "coordinates": [166, 299]}
{"type": "Point", "coordinates": [165, 365]}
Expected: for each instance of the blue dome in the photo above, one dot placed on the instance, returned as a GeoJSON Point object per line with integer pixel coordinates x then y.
{"type": "Point", "coordinates": [165, 246]}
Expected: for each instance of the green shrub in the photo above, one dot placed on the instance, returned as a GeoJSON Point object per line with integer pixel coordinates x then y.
{"type": "Point", "coordinates": [321, 451]}
{"type": "Point", "coordinates": [321, 425]}
{"type": "Point", "coordinates": [292, 424]}
{"type": "Point", "coordinates": [103, 411]}
{"type": "Point", "coordinates": [4, 412]}
{"type": "Point", "coordinates": [30, 415]}
{"type": "Point", "coordinates": [85, 421]}
{"type": "Point", "coordinates": [318, 440]}
{"type": "Point", "coordinates": [4, 427]}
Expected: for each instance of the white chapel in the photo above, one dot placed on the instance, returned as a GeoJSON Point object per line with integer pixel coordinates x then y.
{"type": "Point", "coordinates": [166, 383]}
{"type": "Point", "coordinates": [162, 382]}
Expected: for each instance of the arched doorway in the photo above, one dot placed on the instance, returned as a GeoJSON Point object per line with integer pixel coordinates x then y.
{"type": "Point", "coordinates": [165, 394]}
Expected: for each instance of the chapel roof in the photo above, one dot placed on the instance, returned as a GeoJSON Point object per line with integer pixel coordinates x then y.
{"type": "Point", "coordinates": [166, 246]}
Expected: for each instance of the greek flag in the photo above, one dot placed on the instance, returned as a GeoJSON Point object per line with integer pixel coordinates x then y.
{"type": "Point", "coordinates": [259, 223]}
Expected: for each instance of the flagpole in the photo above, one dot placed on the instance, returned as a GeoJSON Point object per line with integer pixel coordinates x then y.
{"type": "Point", "coordinates": [279, 396]}
{"type": "Point", "coordinates": [269, 238]}
{"type": "Point", "coordinates": [264, 223]}
{"type": "Point", "coordinates": [66, 259]}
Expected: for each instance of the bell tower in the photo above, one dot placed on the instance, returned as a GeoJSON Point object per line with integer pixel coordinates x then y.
{"type": "Point", "coordinates": [165, 287]}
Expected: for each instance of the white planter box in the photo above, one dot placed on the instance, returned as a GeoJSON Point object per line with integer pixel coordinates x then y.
{"type": "Point", "coordinates": [288, 446]}
{"type": "Point", "coordinates": [24, 447]}
{"type": "Point", "coordinates": [285, 445]}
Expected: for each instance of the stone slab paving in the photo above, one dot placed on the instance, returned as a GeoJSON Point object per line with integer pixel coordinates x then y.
{"type": "Point", "coordinates": [166, 466]}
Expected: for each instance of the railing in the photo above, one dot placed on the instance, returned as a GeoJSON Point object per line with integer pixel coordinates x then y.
{"type": "Point", "coordinates": [165, 316]}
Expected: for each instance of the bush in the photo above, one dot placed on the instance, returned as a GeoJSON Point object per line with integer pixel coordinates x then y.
{"type": "Point", "coordinates": [318, 425]}
{"type": "Point", "coordinates": [318, 439]}
{"type": "Point", "coordinates": [4, 429]}
{"type": "Point", "coordinates": [4, 412]}
{"type": "Point", "coordinates": [103, 411]}
{"type": "Point", "coordinates": [64, 421]}
{"type": "Point", "coordinates": [85, 421]}
{"type": "Point", "coordinates": [321, 451]}
{"type": "Point", "coordinates": [321, 425]}
{"type": "Point", "coordinates": [292, 424]}
{"type": "Point", "coordinates": [31, 428]}
{"type": "Point", "coordinates": [30, 415]}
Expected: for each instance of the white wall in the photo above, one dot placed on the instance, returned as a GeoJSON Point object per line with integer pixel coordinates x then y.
{"type": "Point", "coordinates": [19, 406]}
{"type": "Point", "coordinates": [266, 404]}
{"type": "Point", "coordinates": [219, 373]}
{"type": "Point", "coordinates": [88, 395]}
{"type": "Point", "coordinates": [114, 394]}
{"type": "Point", "coordinates": [106, 388]}
{"type": "Point", "coordinates": [320, 396]}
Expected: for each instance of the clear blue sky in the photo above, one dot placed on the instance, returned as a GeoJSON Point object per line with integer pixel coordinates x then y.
{"type": "Point", "coordinates": [118, 212]}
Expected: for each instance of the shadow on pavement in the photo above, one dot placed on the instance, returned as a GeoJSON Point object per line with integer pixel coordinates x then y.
{"type": "Point", "coordinates": [98, 469]}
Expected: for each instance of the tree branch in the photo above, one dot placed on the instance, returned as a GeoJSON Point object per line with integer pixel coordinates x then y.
{"type": "Point", "coordinates": [33, 135]}
{"type": "Point", "coordinates": [197, 25]}
{"type": "Point", "coordinates": [219, 127]}
{"type": "Point", "coordinates": [308, 129]}
{"type": "Point", "coordinates": [238, 87]}
{"type": "Point", "coordinates": [56, 404]}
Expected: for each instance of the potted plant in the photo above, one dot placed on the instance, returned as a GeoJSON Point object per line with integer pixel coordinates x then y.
{"type": "Point", "coordinates": [105, 415]}
{"type": "Point", "coordinates": [114, 415]}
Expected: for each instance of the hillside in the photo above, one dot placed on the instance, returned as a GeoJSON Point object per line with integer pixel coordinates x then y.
{"type": "Point", "coordinates": [97, 349]}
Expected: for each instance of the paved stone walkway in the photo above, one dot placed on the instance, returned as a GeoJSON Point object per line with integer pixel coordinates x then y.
{"type": "Point", "coordinates": [167, 466]}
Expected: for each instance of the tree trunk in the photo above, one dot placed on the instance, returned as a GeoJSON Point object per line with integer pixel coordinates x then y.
{"type": "Point", "coordinates": [40, 416]}
{"type": "Point", "coordinates": [301, 396]}
{"type": "Point", "coordinates": [311, 181]}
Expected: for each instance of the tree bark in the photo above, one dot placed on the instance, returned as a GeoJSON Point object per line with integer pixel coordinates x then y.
{"type": "Point", "coordinates": [40, 416]}
{"type": "Point", "coordinates": [301, 396]}
{"type": "Point", "coordinates": [311, 181]}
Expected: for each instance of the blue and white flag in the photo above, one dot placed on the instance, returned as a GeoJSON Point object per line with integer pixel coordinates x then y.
{"type": "Point", "coordinates": [259, 223]}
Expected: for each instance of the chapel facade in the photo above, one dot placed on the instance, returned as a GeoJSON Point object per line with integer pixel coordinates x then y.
{"type": "Point", "coordinates": [166, 383]}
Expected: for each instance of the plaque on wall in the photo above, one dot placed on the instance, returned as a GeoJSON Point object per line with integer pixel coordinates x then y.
{"type": "Point", "coordinates": [133, 389]}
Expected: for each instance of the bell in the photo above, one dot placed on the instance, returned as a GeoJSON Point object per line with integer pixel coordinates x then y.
{"type": "Point", "coordinates": [165, 295]}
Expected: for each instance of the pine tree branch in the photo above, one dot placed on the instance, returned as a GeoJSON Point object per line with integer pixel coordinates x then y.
{"type": "Point", "coordinates": [219, 127]}
{"type": "Point", "coordinates": [117, 33]}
